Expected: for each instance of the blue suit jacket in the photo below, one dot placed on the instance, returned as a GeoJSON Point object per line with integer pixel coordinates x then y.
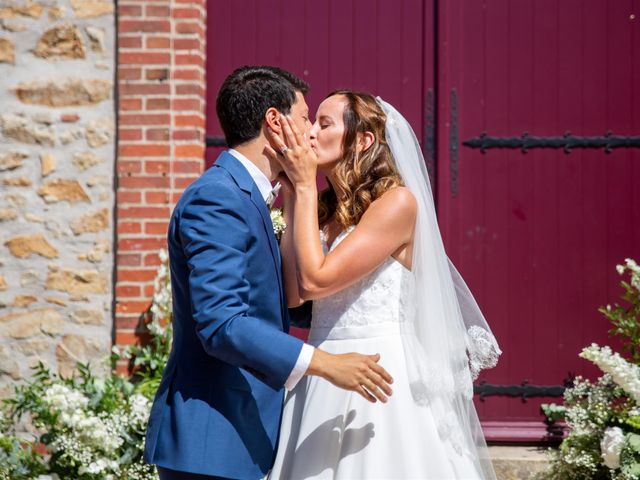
{"type": "Point", "coordinates": [217, 411]}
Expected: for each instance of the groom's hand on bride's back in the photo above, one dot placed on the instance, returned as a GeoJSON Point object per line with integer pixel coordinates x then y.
{"type": "Point", "coordinates": [353, 371]}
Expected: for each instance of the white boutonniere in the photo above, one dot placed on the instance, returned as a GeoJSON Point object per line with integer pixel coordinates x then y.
{"type": "Point", "coordinates": [277, 219]}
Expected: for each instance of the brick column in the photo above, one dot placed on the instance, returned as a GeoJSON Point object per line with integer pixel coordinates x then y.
{"type": "Point", "coordinates": [161, 131]}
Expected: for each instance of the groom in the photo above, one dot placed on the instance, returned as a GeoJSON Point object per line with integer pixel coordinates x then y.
{"type": "Point", "coordinates": [217, 411]}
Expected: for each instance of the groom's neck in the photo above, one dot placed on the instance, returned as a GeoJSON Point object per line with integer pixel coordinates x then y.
{"type": "Point", "coordinates": [254, 151]}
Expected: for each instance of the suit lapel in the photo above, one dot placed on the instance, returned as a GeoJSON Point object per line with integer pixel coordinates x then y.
{"type": "Point", "coordinates": [258, 201]}
{"type": "Point", "coordinates": [246, 183]}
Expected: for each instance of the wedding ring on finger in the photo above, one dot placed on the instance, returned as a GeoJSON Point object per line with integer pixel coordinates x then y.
{"type": "Point", "coordinates": [283, 150]}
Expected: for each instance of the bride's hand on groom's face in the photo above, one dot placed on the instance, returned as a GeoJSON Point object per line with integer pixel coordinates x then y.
{"type": "Point", "coordinates": [294, 153]}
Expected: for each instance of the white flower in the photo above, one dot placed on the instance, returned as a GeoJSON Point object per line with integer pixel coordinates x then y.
{"type": "Point", "coordinates": [140, 408]}
{"type": "Point", "coordinates": [277, 219]}
{"type": "Point", "coordinates": [161, 304]}
{"type": "Point", "coordinates": [611, 446]}
{"type": "Point", "coordinates": [72, 420]}
{"type": "Point", "coordinates": [64, 400]}
{"type": "Point", "coordinates": [625, 374]}
{"type": "Point", "coordinates": [632, 265]}
{"type": "Point", "coordinates": [98, 466]}
{"type": "Point", "coordinates": [634, 269]}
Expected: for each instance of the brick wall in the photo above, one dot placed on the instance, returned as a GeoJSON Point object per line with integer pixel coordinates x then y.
{"type": "Point", "coordinates": [161, 131]}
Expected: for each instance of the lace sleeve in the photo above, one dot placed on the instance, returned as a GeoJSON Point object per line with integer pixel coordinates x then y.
{"type": "Point", "coordinates": [483, 350]}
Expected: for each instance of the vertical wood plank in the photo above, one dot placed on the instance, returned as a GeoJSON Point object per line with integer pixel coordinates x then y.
{"type": "Point", "coordinates": [544, 290]}
{"type": "Point", "coordinates": [519, 89]}
{"type": "Point", "coordinates": [619, 181]}
{"type": "Point", "coordinates": [367, 39]}
{"type": "Point", "coordinates": [496, 201]}
{"type": "Point", "coordinates": [342, 41]}
{"type": "Point", "coordinates": [474, 236]}
{"type": "Point", "coordinates": [634, 21]}
{"type": "Point", "coordinates": [317, 58]}
{"type": "Point", "coordinates": [569, 172]}
{"type": "Point", "coordinates": [597, 272]}
{"type": "Point", "coordinates": [411, 84]}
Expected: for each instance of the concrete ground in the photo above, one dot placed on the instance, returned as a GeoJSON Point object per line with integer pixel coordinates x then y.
{"type": "Point", "coordinates": [517, 462]}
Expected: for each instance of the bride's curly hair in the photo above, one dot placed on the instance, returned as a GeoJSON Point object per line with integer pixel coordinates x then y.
{"type": "Point", "coordinates": [360, 177]}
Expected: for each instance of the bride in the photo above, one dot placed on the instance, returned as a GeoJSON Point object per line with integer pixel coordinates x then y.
{"type": "Point", "coordinates": [381, 283]}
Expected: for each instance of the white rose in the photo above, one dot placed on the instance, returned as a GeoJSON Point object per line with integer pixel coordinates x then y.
{"type": "Point", "coordinates": [611, 446]}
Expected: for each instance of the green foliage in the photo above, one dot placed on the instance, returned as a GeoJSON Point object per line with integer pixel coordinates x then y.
{"type": "Point", "coordinates": [603, 418]}
{"type": "Point", "coordinates": [148, 360]}
{"type": "Point", "coordinates": [630, 456]}
{"type": "Point", "coordinates": [633, 423]}
{"type": "Point", "coordinates": [553, 412]}
{"type": "Point", "coordinates": [18, 459]}
{"type": "Point", "coordinates": [576, 459]}
{"type": "Point", "coordinates": [91, 427]}
{"type": "Point", "coordinates": [625, 318]}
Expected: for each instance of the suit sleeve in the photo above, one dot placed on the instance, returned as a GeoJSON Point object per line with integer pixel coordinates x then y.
{"type": "Point", "coordinates": [214, 236]}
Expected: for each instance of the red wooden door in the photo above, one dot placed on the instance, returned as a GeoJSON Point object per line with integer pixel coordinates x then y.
{"type": "Point", "coordinates": [377, 47]}
{"type": "Point", "coordinates": [537, 235]}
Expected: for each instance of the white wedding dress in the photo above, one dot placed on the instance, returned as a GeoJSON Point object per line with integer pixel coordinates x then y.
{"type": "Point", "coordinates": [330, 433]}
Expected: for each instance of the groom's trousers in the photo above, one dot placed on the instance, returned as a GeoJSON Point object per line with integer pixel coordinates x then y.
{"type": "Point", "coordinates": [166, 474]}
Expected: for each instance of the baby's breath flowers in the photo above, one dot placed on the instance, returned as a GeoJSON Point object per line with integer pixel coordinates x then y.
{"type": "Point", "coordinates": [277, 219]}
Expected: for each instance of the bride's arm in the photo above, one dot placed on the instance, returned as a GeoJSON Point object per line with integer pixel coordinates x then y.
{"type": "Point", "coordinates": [288, 253]}
{"type": "Point", "coordinates": [386, 227]}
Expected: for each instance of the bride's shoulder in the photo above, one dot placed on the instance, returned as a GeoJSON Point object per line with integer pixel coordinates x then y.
{"type": "Point", "coordinates": [399, 200]}
{"type": "Point", "coordinates": [395, 207]}
{"type": "Point", "coordinates": [399, 194]}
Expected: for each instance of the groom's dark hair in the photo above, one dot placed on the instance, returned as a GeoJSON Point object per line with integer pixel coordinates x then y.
{"type": "Point", "coordinates": [247, 94]}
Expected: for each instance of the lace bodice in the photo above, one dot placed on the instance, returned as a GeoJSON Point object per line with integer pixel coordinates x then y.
{"type": "Point", "coordinates": [380, 297]}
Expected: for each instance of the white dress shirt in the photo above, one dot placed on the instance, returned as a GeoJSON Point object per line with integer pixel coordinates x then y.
{"type": "Point", "coordinates": [264, 185]}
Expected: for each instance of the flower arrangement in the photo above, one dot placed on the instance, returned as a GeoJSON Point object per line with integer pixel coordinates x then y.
{"type": "Point", "coordinates": [89, 428]}
{"type": "Point", "coordinates": [277, 219]}
{"type": "Point", "coordinates": [603, 417]}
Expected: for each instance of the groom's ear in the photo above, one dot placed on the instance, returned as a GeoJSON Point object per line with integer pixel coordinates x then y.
{"type": "Point", "coordinates": [273, 119]}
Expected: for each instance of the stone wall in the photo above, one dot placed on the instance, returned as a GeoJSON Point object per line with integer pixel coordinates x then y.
{"type": "Point", "coordinates": [57, 161]}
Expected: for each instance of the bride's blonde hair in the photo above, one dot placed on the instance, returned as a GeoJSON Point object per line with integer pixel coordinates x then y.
{"type": "Point", "coordinates": [360, 177]}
